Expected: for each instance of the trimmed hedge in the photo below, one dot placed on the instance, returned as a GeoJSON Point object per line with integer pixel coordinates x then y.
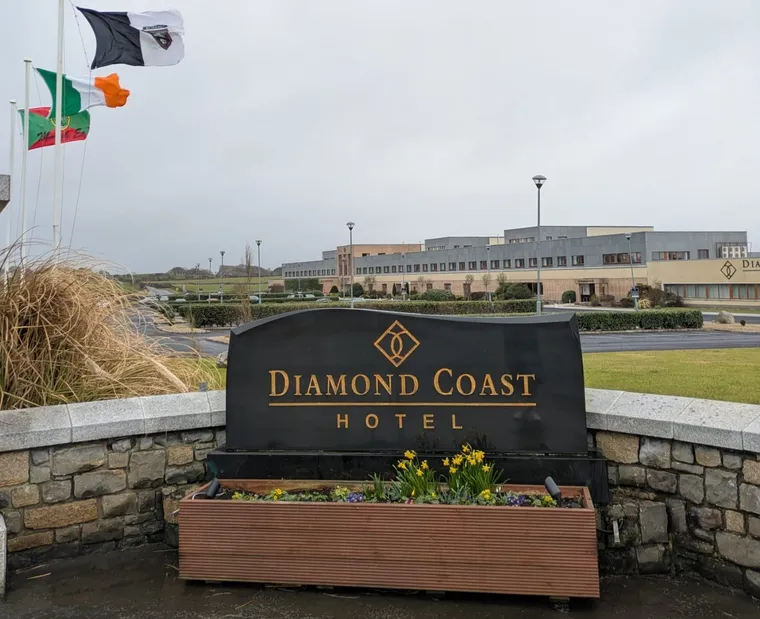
{"type": "Point", "coordinates": [650, 319]}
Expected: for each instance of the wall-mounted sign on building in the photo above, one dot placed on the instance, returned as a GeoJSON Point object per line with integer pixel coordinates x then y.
{"type": "Point", "coordinates": [731, 267]}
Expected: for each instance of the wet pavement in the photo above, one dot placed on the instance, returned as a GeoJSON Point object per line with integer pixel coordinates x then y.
{"type": "Point", "coordinates": [143, 584]}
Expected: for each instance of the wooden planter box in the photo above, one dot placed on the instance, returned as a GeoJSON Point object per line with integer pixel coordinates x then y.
{"type": "Point", "coordinates": [505, 550]}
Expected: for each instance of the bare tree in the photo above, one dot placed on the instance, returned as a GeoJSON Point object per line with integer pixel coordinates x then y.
{"type": "Point", "coordinates": [487, 279]}
{"type": "Point", "coordinates": [501, 279]}
{"type": "Point", "coordinates": [468, 279]}
{"type": "Point", "coordinates": [369, 282]}
{"type": "Point", "coordinates": [248, 266]}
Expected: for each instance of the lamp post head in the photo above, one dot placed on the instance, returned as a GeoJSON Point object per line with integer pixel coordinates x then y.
{"type": "Point", "coordinates": [222, 252]}
{"type": "Point", "coordinates": [258, 243]}
{"type": "Point", "coordinates": [539, 179]}
{"type": "Point", "coordinates": [350, 225]}
{"type": "Point", "coordinates": [488, 248]}
{"type": "Point", "coordinates": [628, 237]}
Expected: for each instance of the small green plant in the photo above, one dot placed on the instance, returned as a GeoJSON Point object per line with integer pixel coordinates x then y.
{"type": "Point", "coordinates": [569, 296]}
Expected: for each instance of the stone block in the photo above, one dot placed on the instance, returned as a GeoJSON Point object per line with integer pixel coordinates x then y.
{"type": "Point", "coordinates": [752, 583]}
{"type": "Point", "coordinates": [749, 498]}
{"type": "Point", "coordinates": [180, 411]}
{"type": "Point", "coordinates": [706, 518]}
{"type": "Point", "coordinates": [695, 545]}
{"type": "Point", "coordinates": [39, 474]}
{"type": "Point", "coordinates": [3, 556]}
{"type": "Point", "coordinates": [718, 424]}
{"type": "Point", "coordinates": [645, 414]}
{"type": "Point", "coordinates": [79, 459]}
{"type": "Point", "coordinates": [202, 454]}
{"type": "Point", "coordinates": [721, 572]}
{"type": "Point", "coordinates": [751, 437]}
{"type": "Point", "coordinates": [13, 522]}
{"type": "Point", "coordinates": [146, 501]}
{"type": "Point", "coordinates": [754, 526]}
{"type": "Point", "coordinates": [620, 448]}
{"type": "Point", "coordinates": [92, 421]}
{"type": "Point", "coordinates": [179, 454]}
{"type": "Point", "coordinates": [63, 515]}
{"type": "Point", "coordinates": [707, 456]}
{"type": "Point", "coordinates": [102, 531]}
{"type": "Point", "coordinates": [14, 468]}
{"type": "Point", "coordinates": [119, 504]}
{"type": "Point", "coordinates": [692, 488]}
{"type": "Point", "coordinates": [185, 474]}
{"type": "Point", "coordinates": [662, 481]}
{"type": "Point", "coordinates": [5, 499]}
{"type": "Point", "coordinates": [683, 452]}
{"type": "Point", "coordinates": [751, 472]}
{"type": "Point", "coordinates": [199, 436]}
{"type": "Point", "coordinates": [31, 540]}
{"type": "Point", "coordinates": [34, 427]}
{"type": "Point", "coordinates": [145, 443]}
{"type": "Point", "coordinates": [40, 456]}
{"type": "Point", "coordinates": [707, 536]}
{"type": "Point", "coordinates": [167, 439]}
{"type": "Point", "coordinates": [653, 520]}
{"type": "Point", "coordinates": [56, 491]}
{"type": "Point", "coordinates": [68, 534]}
{"type": "Point", "coordinates": [677, 515]}
{"type": "Point", "coordinates": [24, 496]}
{"type": "Point", "coordinates": [118, 460]}
{"type": "Point", "coordinates": [629, 475]}
{"type": "Point", "coordinates": [653, 559]}
{"type": "Point", "coordinates": [218, 405]}
{"type": "Point", "coordinates": [131, 531]}
{"type": "Point", "coordinates": [738, 549]}
{"type": "Point", "coordinates": [655, 453]}
{"type": "Point", "coordinates": [147, 468]}
{"type": "Point", "coordinates": [694, 469]}
{"type": "Point", "coordinates": [132, 519]}
{"type": "Point", "coordinates": [98, 483]}
{"type": "Point", "coordinates": [735, 522]}
{"type": "Point", "coordinates": [122, 445]}
{"type": "Point", "coordinates": [732, 462]}
{"type": "Point", "coordinates": [221, 437]}
{"type": "Point", "coordinates": [721, 488]}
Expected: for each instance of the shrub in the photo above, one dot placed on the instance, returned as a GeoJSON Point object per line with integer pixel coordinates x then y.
{"type": "Point", "coordinates": [645, 304]}
{"type": "Point", "coordinates": [626, 302]}
{"type": "Point", "coordinates": [672, 300]}
{"type": "Point", "coordinates": [594, 301]}
{"type": "Point", "coordinates": [334, 290]}
{"type": "Point", "coordinates": [569, 296]}
{"type": "Point", "coordinates": [478, 296]}
{"type": "Point", "coordinates": [514, 291]}
{"type": "Point", "coordinates": [358, 289]}
{"type": "Point", "coordinates": [607, 300]}
{"type": "Point", "coordinates": [624, 321]}
{"type": "Point", "coordinates": [437, 295]}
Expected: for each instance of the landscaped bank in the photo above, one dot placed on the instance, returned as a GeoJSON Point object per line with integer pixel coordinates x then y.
{"type": "Point", "coordinates": [685, 478]}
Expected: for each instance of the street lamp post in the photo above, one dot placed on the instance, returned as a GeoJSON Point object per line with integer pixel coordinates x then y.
{"type": "Point", "coordinates": [634, 292]}
{"type": "Point", "coordinates": [488, 270]}
{"type": "Point", "coordinates": [403, 277]}
{"type": "Point", "coordinates": [539, 180]}
{"type": "Point", "coordinates": [351, 225]}
{"type": "Point", "coordinates": [258, 251]}
{"type": "Point", "coordinates": [212, 275]}
{"type": "Point", "coordinates": [298, 292]}
{"type": "Point", "coordinates": [221, 275]}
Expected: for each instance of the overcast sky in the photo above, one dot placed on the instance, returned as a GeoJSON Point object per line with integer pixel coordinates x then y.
{"type": "Point", "coordinates": [413, 118]}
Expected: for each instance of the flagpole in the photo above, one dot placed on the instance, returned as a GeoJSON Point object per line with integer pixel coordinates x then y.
{"type": "Point", "coordinates": [57, 184]}
{"type": "Point", "coordinates": [24, 153]}
{"type": "Point", "coordinates": [11, 158]}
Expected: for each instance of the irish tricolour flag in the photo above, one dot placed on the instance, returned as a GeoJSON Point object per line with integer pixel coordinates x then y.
{"type": "Point", "coordinates": [81, 94]}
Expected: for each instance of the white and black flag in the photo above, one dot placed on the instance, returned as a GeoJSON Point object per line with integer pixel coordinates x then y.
{"type": "Point", "coordinates": [150, 39]}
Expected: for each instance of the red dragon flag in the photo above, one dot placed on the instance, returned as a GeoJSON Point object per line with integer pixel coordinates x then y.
{"type": "Point", "coordinates": [149, 39]}
{"type": "Point", "coordinates": [42, 129]}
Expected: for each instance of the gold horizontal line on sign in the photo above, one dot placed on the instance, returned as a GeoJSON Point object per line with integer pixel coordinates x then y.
{"type": "Point", "coordinates": [396, 404]}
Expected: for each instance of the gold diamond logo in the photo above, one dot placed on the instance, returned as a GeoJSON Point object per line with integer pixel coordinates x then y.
{"type": "Point", "coordinates": [728, 270]}
{"type": "Point", "coordinates": [397, 344]}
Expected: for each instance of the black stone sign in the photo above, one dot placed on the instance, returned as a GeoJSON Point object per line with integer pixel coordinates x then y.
{"type": "Point", "coordinates": [341, 380]}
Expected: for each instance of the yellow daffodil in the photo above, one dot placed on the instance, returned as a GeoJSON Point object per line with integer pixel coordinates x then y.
{"type": "Point", "coordinates": [409, 455]}
{"type": "Point", "coordinates": [486, 468]}
{"type": "Point", "coordinates": [402, 465]}
{"type": "Point", "coordinates": [420, 473]}
{"type": "Point", "coordinates": [470, 460]}
{"type": "Point", "coordinates": [445, 462]}
{"type": "Point", "coordinates": [465, 449]}
{"type": "Point", "coordinates": [412, 492]}
{"type": "Point", "coordinates": [453, 470]}
{"type": "Point", "coordinates": [457, 460]}
{"type": "Point", "coordinates": [548, 499]}
{"type": "Point", "coordinates": [486, 494]}
{"type": "Point", "coordinates": [424, 465]}
{"type": "Point", "coordinates": [479, 455]}
{"type": "Point", "coordinates": [432, 495]}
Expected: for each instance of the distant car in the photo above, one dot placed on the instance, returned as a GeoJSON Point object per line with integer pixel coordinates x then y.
{"type": "Point", "coordinates": [164, 298]}
{"type": "Point", "coordinates": [323, 300]}
{"type": "Point", "coordinates": [180, 300]}
{"type": "Point", "coordinates": [254, 298]}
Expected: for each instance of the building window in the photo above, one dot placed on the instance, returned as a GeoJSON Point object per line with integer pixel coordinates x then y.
{"type": "Point", "coordinates": [393, 268]}
{"type": "Point", "coordinates": [615, 258]}
{"type": "Point", "coordinates": [462, 266]}
{"type": "Point", "coordinates": [447, 287]}
{"type": "Point", "coordinates": [429, 285]}
{"type": "Point", "coordinates": [532, 262]}
{"type": "Point", "coordinates": [520, 263]}
{"type": "Point", "coordinates": [578, 261]}
{"type": "Point", "coordinates": [333, 272]}
{"type": "Point", "coordinates": [548, 238]}
{"type": "Point", "coordinates": [636, 257]}
{"type": "Point", "coordinates": [483, 265]}
{"type": "Point", "coordinates": [358, 270]}
{"type": "Point", "coordinates": [408, 268]}
{"type": "Point", "coordinates": [733, 251]}
{"type": "Point", "coordinates": [371, 270]}
{"type": "Point", "coordinates": [561, 261]}
{"type": "Point", "coordinates": [424, 268]}
{"type": "Point", "coordinates": [434, 266]}
{"type": "Point", "coordinates": [547, 261]}
{"type": "Point", "coordinates": [452, 266]}
{"type": "Point", "coordinates": [507, 264]}
{"type": "Point", "coordinates": [364, 270]}
{"type": "Point", "coordinates": [494, 264]}
{"type": "Point", "coordinates": [443, 266]}
{"type": "Point", "coordinates": [670, 255]}
{"type": "Point", "coordinates": [471, 265]}
{"type": "Point", "coordinates": [386, 269]}
{"type": "Point", "coordinates": [703, 254]}
{"type": "Point", "coordinates": [416, 268]}
{"type": "Point", "coordinates": [561, 237]}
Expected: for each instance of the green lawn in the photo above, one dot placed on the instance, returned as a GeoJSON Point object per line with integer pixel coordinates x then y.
{"type": "Point", "coordinates": [730, 374]}
{"type": "Point", "coordinates": [213, 284]}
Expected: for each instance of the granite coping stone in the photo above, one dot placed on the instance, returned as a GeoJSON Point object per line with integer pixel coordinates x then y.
{"type": "Point", "coordinates": [34, 427]}
{"type": "Point", "coordinates": [717, 424]}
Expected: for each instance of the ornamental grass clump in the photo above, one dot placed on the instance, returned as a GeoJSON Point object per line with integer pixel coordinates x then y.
{"type": "Point", "coordinates": [66, 336]}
